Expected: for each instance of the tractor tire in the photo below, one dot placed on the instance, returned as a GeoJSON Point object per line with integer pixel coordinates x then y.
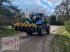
{"type": "Point", "coordinates": [41, 31]}
{"type": "Point", "coordinates": [48, 30]}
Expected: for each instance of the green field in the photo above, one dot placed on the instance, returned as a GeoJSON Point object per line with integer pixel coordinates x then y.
{"type": "Point", "coordinates": [61, 41]}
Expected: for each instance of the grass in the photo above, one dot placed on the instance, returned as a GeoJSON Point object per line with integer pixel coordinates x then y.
{"type": "Point", "coordinates": [61, 41]}
{"type": "Point", "coordinates": [7, 32]}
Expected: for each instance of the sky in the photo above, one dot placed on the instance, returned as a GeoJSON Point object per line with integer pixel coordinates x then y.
{"type": "Point", "coordinates": [28, 5]}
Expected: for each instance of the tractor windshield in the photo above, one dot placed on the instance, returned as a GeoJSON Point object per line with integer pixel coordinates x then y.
{"type": "Point", "coordinates": [34, 17]}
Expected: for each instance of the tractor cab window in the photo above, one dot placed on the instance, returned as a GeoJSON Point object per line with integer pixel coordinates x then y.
{"type": "Point", "coordinates": [38, 17]}
{"type": "Point", "coordinates": [34, 17]}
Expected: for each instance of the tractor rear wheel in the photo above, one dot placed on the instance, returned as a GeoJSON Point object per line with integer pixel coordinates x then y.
{"type": "Point", "coordinates": [48, 30]}
{"type": "Point", "coordinates": [41, 31]}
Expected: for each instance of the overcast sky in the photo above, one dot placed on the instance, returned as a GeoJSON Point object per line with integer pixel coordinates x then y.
{"type": "Point", "coordinates": [48, 4]}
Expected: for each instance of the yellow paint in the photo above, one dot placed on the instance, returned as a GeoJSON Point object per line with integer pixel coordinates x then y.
{"type": "Point", "coordinates": [25, 25]}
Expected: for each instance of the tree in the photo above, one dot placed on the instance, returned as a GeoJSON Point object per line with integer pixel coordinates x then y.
{"type": "Point", "coordinates": [63, 9]}
{"type": "Point", "coordinates": [9, 14]}
{"type": "Point", "coordinates": [67, 25]}
{"type": "Point", "coordinates": [53, 20]}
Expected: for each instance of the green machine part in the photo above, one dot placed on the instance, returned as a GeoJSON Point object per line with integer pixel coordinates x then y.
{"type": "Point", "coordinates": [24, 20]}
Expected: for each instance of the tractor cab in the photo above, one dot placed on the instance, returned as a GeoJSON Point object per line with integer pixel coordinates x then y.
{"type": "Point", "coordinates": [36, 16]}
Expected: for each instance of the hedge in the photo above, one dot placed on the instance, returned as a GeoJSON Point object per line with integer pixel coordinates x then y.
{"type": "Point", "coordinates": [67, 25]}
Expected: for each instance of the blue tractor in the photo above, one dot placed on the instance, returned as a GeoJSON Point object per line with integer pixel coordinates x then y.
{"type": "Point", "coordinates": [36, 24]}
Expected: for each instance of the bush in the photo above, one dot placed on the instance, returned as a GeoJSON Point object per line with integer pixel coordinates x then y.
{"type": "Point", "coordinates": [67, 25]}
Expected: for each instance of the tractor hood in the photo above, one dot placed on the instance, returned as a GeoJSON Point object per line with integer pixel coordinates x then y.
{"type": "Point", "coordinates": [39, 22]}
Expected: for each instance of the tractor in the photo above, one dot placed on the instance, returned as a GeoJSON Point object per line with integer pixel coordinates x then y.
{"type": "Point", "coordinates": [36, 24]}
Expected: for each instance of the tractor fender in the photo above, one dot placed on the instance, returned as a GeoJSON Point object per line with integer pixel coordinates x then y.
{"type": "Point", "coordinates": [39, 22]}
